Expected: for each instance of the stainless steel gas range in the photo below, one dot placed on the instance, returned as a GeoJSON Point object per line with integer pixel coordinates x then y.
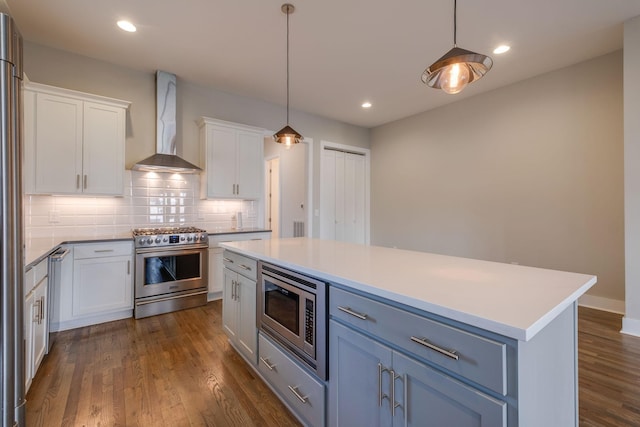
{"type": "Point", "coordinates": [171, 269]}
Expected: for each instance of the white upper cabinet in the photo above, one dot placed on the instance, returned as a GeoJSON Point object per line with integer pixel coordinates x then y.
{"type": "Point", "coordinates": [74, 142]}
{"type": "Point", "coordinates": [234, 160]}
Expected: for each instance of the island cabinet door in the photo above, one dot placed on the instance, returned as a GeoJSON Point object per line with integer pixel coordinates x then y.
{"type": "Point", "coordinates": [230, 304]}
{"type": "Point", "coordinates": [358, 379]}
{"type": "Point", "coordinates": [427, 398]}
{"type": "Point", "coordinates": [370, 384]}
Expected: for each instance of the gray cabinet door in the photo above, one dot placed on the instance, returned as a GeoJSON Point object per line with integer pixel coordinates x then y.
{"type": "Point", "coordinates": [354, 398]}
{"type": "Point", "coordinates": [247, 332]}
{"type": "Point", "coordinates": [230, 305]}
{"type": "Point", "coordinates": [432, 399]}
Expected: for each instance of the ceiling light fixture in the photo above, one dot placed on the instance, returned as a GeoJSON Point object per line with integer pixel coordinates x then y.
{"type": "Point", "coordinates": [458, 67]}
{"type": "Point", "coordinates": [501, 49]}
{"type": "Point", "coordinates": [366, 105]}
{"type": "Point", "coordinates": [287, 135]}
{"type": "Point", "coordinates": [127, 26]}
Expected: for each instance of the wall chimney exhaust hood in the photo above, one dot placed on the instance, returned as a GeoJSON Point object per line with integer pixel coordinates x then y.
{"type": "Point", "coordinates": [165, 159]}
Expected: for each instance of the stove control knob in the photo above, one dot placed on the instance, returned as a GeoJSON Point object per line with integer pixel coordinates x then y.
{"type": "Point", "coordinates": [182, 238]}
{"type": "Point", "coordinates": [158, 240]}
{"type": "Point", "coordinates": [190, 238]}
{"type": "Point", "coordinates": [142, 241]}
{"type": "Point", "coordinates": [165, 240]}
{"type": "Point", "coordinates": [203, 237]}
{"type": "Point", "coordinates": [150, 241]}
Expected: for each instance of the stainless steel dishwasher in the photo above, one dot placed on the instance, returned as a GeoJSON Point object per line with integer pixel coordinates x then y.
{"type": "Point", "coordinates": [56, 262]}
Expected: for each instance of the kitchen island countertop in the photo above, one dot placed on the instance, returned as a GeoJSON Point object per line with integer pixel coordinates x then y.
{"type": "Point", "coordinates": [512, 300]}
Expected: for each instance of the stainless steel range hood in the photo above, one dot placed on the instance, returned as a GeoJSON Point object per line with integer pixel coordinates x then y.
{"type": "Point", "coordinates": [165, 159]}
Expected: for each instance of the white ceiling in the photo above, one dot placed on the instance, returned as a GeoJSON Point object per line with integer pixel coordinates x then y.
{"type": "Point", "coordinates": [342, 52]}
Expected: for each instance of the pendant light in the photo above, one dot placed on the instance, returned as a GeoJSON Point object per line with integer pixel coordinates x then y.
{"type": "Point", "coordinates": [457, 68]}
{"type": "Point", "coordinates": [287, 135]}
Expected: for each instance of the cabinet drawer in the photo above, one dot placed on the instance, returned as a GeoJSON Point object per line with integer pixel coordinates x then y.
{"type": "Point", "coordinates": [477, 358]}
{"type": "Point", "coordinates": [241, 264]}
{"type": "Point", "coordinates": [101, 250]}
{"type": "Point", "coordinates": [293, 383]}
{"type": "Point", "coordinates": [216, 239]}
{"type": "Point", "coordinates": [35, 275]}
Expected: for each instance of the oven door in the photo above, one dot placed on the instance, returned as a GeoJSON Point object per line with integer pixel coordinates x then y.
{"type": "Point", "coordinates": [289, 312]}
{"type": "Point", "coordinates": [165, 270]}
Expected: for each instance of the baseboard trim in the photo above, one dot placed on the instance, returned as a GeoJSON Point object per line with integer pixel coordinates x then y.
{"type": "Point", "coordinates": [90, 320]}
{"type": "Point", "coordinates": [602, 303]}
{"type": "Point", "coordinates": [630, 326]}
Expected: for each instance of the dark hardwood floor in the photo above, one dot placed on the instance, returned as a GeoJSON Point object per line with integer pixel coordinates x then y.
{"type": "Point", "coordinates": [179, 370]}
{"type": "Point", "coordinates": [608, 371]}
{"type": "Point", "coordinates": [175, 369]}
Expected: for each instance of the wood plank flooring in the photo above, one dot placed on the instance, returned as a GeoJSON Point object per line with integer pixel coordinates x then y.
{"type": "Point", "coordinates": [178, 369]}
{"type": "Point", "coordinates": [175, 369]}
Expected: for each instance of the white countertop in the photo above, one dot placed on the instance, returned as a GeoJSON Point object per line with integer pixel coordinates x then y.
{"type": "Point", "coordinates": [38, 247]}
{"type": "Point", "coordinates": [512, 300]}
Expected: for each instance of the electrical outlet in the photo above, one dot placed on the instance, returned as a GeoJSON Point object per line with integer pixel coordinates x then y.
{"type": "Point", "coordinates": [54, 216]}
{"type": "Point", "coordinates": [201, 213]}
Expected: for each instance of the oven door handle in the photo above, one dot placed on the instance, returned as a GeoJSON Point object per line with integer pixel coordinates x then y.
{"type": "Point", "coordinates": [170, 298]}
{"type": "Point", "coordinates": [170, 248]}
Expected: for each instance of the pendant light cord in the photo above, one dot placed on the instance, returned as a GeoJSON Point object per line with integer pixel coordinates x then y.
{"type": "Point", "coordinates": [288, 13]}
{"type": "Point", "coordinates": [455, 23]}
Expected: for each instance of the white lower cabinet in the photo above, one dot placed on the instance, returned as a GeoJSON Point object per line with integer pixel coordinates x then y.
{"type": "Point", "coordinates": [35, 319]}
{"type": "Point", "coordinates": [300, 390]}
{"type": "Point", "coordinates": [216, 265]}
{"type": "Point", "coordinates": [239, 304]}
{"type": "Point", "coordinates": [101, 288]}
{"type": "Point", "coordinates": [374, 385]}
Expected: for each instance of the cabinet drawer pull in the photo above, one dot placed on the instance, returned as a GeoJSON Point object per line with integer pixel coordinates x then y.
{"type": "Point", "coordinates": [102, 250]}
{"type": "Point", "coordinates": [244, 267]}
{"type": "Point", "coordinates": [348, 310]}
{"type": "Point", "coordinates": [85, 182]}
{"type": "Point", "coordinates": [225, 259]}
{"type": "Point", "coordinates": [294, 390]}
{"type": "Point", "coordinates": [77, 182]}
{"type": "Point", "coordinates": [233, 290]}
{"type": "Point", "coordinates": [267, 364]}
{"type": "Point", "coordinates": [42, 307]}
{"type": "Point", "coordinates": [128, 268]}
{"type": "Point", "coordinates": [449, 353]}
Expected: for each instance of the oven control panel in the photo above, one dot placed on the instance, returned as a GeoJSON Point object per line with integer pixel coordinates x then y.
{"type": "Point", "coordinates": [161, 240]}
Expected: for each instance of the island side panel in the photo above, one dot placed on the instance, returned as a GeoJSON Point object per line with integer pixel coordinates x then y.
{"type": "Point", "coordinates": [548, 374]}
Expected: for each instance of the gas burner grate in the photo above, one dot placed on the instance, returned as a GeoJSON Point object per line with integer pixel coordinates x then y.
{"type": "Point", "coordinates": [165, 230]}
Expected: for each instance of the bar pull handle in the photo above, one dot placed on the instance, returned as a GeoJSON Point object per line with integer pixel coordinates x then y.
{"type": "Point", "coordinates": [36, 312]}
{"type": "Point", "coordinates": [267, 364]}
{"type": "Point", "coordinates": [85, 182]}
{"type": "Point", "coordinates": [102, 250]}
{"type": "Point", "coordinates": [42, 307]}
{"type": "Point", "coordinates": [348, 310]}
{"type": "Point", "coordinates": [227, 260]}
{"type": "Point", "coordinates": [233, 290]}
{"type": "Point", "coordinates": [381, 396]}
{"type": "Point", "coordinates": [77, 181]}
{"type": "Point", "coordinates": [244, 267]}
{"type": "Point", "coordinates": [449, 353]}
{"type": "Point", "coordinates": [128, 267]}
{"type": "Point", "coordinates": [394, 404]}
{"type": "Point", "coordinates": [238, 189]}
{"type": "Point", "coordinates": [294, 390]}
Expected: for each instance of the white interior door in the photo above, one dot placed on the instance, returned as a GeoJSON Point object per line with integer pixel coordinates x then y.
{"type": "Point", "coordinates": [344, 196]}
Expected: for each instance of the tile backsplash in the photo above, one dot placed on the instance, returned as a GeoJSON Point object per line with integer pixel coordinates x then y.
{"type": "Point", "coordinates": [150, 200]}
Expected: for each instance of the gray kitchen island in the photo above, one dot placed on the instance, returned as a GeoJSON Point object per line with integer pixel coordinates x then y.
{"type": "Point", "coordinates": [424, 339]}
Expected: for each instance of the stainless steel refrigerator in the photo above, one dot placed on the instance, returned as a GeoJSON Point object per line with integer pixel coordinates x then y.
{"type": "Point", "coordinates": [12, 241]}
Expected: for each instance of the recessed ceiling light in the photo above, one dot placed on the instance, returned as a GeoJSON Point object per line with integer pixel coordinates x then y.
{"type": "Point", "coordinates": [366, 105]}
{"type": "Point", "coordinates": [127, 26]}
{"type": "Point", "coordinates": [501, 49]}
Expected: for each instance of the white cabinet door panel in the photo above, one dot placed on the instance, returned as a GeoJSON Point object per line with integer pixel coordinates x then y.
{"type": "Point", "coordinates": [58, 144]}
{"type": "Point", "coordinates": [103, 154]}
{"type": "Point", "coordinates": [102, 285]}
{"type": "Point", "coordinates": [221, 162]}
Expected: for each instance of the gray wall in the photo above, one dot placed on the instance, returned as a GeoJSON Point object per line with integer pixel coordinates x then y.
{"type": "Point", "coordinates": [64, 69]}
{"type": "Point", "coordinates": [531, 173]}
{"type": "Point", "coordinates": [631, 322]}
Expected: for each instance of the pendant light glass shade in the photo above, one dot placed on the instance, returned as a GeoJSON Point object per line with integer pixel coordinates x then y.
{"type": "Point", "coordinates": [287, 135]}
{"type": "Point", "coordinates": [456, 68]}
